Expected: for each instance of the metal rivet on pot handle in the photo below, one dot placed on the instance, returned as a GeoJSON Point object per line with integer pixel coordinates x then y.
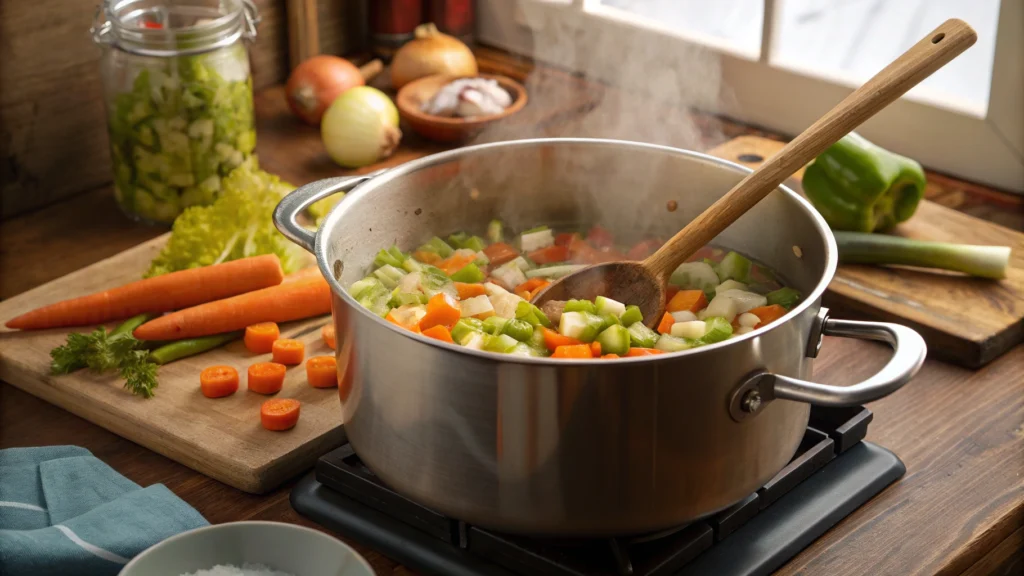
{"type": "Point", "coordinates": [287, 212]}
{"type": "Point", "coordinates": [909, 351]}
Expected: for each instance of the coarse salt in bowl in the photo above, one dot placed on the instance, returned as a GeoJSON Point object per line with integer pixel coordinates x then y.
{"type": "Point", "coordinates": [249, 549]}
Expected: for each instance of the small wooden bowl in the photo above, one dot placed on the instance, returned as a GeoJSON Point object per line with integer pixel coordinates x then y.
{"type": "Point", "coordinates": [413, 95]}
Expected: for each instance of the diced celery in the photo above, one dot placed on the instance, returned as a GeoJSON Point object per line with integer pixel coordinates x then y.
{"type": "Point", "coordinates": [786, 297]}
{"type": "Point", "coordinates": [609, 320]}
{"type": "Point", "coordinates": [411, 265]}
{"type": "Point", "coordinates": [466, 327]}
{"type": "Point", "coordinates": [670, 343]}
{"type": "Point", "coordinates": [375, 299]}
{"type": "Point", "coordinates": [359, 286]}
{"type": "Point", "coordinates": [399, 298]}
{"type": "Point", "coordinates": [519, 329]}
{"type": "Point", "coordinates": [389, 276]}
{"type": "Point", "coordinates": [469, 273]}
{"type": "Point", "coordinates": [502, 343]}
{"type": "Point", "coordinates": [734, 266]}
{"type": "Point", "coordinates": [614, 340]}
{"type": "Point", "coordinates": [582, 326]}
{"type": "Point", "coordinates": [718, 329]}
{"type": "Point", "coordinates": [392, 256]}
{"type": "Point", "coordinates": [631, 315]}
{"type": "Point", "coordinates": [494, 324]}
{"type": "Point", "coordinates": [437, 246]}
{"type": "Point", "coordinates": [609, 306]}
{"type": "Point", "coordinates": [695, 276]}
{"type": "Point", "coordinates": [496, 231]}
{"type": "Point", "coordinates": [580, 306]}
{"type": "Point", "coordinates": [457, 240]}
{"type": "Point", "coordinates": [522, 349]}
{"type": "Point", "coordinates": [434, 280]}
{"type": "Point", "coordinates": [475, 243]}
{"type": "Point", "coordinates": [553, 271]}
{"type": "Point", "coordinates": [641, 336]}
{"type": "Point", "coordinates": [537, 340]}
{"type": "Point", "coordinates": [474, 340]}
{"type": "Point", "coordinates": [532, 314]}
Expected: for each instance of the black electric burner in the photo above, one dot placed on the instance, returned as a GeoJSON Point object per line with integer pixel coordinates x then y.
{"type": "Point", "coordinates": [833, 473]}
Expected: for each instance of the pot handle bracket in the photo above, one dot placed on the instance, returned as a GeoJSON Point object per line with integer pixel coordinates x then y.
{"type": "Point", "coordinates": [286, 215]}
{"type": "Point", "coordinates": [909, 351]}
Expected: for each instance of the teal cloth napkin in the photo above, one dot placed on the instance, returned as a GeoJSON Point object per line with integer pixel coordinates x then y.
{"type": "Point", "coordinates": [63, 511]}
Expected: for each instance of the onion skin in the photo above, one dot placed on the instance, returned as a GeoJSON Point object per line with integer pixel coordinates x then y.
{"type": "Point", "coordinates": [360, 127]}
{"type": "Point", "coordinates": [431, 52]}
{"type": "Point", "coordinates": [317, 82]}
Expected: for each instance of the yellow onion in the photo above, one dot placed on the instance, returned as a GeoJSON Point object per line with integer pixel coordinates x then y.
{"type": "Point", "coordinates": [360, 127]}
{"type": "Point", "coordinates": [431, 52]}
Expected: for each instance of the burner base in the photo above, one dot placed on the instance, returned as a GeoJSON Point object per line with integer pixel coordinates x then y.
{"type": "Point", "coordinates": [759, 546]}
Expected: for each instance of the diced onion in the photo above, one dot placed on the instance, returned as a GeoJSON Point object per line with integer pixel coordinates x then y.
{"type": "Point", "coordinates": [505, 304]}
{"type": "Point", "coordinates": [730, 285]}
{"type": "Point", "coordinates": [684, 316]}
{"type": "Point", "coordinates": [572, 324]}
{"type": "Point", "coordinates": [744, 300]}
{"type": "Point", "coordinates": [537, 240]}
{"type": "Point", "coordinates": [476, 305]}
{"type": "Point", "coordinates": [748, 320]}
{"type": "Point", "coordinates": [720, 305]}
{"type": "Point", "coordinates": [409, 314]}
{"type": "Point", "coordinates": [743, 330]}
{"type": "Point", "coordinates": [509, 275]}
{"type": "Point", "coordinates": [693, 329]}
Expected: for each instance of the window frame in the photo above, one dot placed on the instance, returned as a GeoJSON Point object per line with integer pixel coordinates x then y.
{"type": "Point", "coordinates": [985, 147]}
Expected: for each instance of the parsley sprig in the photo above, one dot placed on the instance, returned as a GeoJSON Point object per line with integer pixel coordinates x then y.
{"type": "Point", "coordinates": [103, 351]}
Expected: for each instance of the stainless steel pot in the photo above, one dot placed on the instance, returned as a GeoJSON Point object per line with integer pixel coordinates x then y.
{"type": "Point", "coordinates": [542, 446]}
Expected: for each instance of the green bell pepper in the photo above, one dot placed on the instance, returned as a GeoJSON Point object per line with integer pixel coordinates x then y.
{"type": "Point", "coordinates": [860, 187]}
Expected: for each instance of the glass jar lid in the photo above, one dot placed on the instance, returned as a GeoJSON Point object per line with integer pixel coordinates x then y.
{"type": "Point", "coordinates": [173, 27]}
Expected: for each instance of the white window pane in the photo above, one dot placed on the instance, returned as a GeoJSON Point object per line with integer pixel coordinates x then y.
{"type": "Point", "coordinates": [736, 22]}
{"type": "Point", "coordinates": [854, 39]}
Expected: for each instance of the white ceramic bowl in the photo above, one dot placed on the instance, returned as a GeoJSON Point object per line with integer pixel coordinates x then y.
{"type": "Point", "coordinates": [286, 547]}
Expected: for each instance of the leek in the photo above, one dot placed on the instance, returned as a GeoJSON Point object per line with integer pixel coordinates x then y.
{"type": "Point", "coordinates": [981, 261]}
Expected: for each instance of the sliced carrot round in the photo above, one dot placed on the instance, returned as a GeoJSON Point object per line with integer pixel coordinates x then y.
{"type": "Point", "coordinates": [288, 352]}
{"type": "Point", "coordinates": [218, 381]}
{"type": "Point", "coordinates": [279, 413]}
{"type": "Point", "coordinates": [266, 377]}
{"type": "Point", "coordinates": [327, 333]}
{"type": "Point", "coordinates": [260, 338]}
{"type": "Point", "coordinates": [322, 372]}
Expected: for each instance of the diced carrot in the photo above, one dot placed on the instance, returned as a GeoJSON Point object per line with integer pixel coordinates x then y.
{"type": "Point", "coordinates": [322, 372]}
{"type": "Point", "coordinates": [442, 310]}
{"type": "Point", "coordinates": [595, 349]}
{"type": "Point", "coordinates": [259, 338]}
{"type": "Point", "coordinates": [670, 292]}
{"type": "Point", "coordinates": [665, 326]}
{"type": "Point", "coordinates": [643, 249]}
{"type": "Point", "coordinates": [643, 352]}
{"type": "Point", "coordinates": [280, 413]}
{"type": "Point", "coordinates": [576, 351]}
{"type": "Point", "coordinates": [552, 339]}
{"type": "Point", "coordinates": [565, 238]}
{"type": "Point", "coordinates": [610, 356]}
{"type": "Point", "coordinates": [598, 237]}
{"type": "Point", "coordinates": [469, 290]}
{"type": "Point", "coordinates": [439, 332]}
{"type": "Point", "coordinates": [582, 252]}
{"type": "Point", "coordinates": [394, 320]}
{"type": "Point", "coordinates": [550, 255]}
{"type": "Point", "coordinates": [330, 338]}
{"type": "Point", "coordinates": [499, 253]}
{"type": "Point", "coordinates": [455, 262]}
{"type": "Point", "coordinates": [689, 300]}
{"type": "Point", "coordinates": [527, 289]}
{"type": "Point", "coordinates": [288, 352]}
{"type": "Point", "coordinates": [266, 377]}
{"type": "Point", "coordinates": [426, 257]}
{"type": "Point", "coordinates": [218, 381]}
{"type": "Point", "coordinates": [768, 314]}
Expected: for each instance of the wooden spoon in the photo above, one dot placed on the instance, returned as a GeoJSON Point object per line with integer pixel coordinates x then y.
{"type": "Point", "coordinates": [643, 283]}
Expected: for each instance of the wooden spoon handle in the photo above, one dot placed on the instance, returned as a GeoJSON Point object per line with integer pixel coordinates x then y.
{"type": "Point", "coordinates": [922, 59]}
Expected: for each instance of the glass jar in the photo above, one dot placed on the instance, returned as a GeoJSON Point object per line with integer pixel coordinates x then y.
{"type": "Point", "coordinates": [178, 93]}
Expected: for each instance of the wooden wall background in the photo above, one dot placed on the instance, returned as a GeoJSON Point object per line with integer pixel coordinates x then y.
{"type": "Point", "coordinates": [53, 139]}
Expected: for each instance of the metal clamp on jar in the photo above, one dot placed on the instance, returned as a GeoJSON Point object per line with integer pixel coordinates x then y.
{"type": "Point", "coordinates": [178, 91]}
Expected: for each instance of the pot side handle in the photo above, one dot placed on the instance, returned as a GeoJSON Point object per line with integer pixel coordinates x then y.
{"type": "Point", "coordinates": [909, 351]}
{"type": "Point", "coordinates": [288, 209]}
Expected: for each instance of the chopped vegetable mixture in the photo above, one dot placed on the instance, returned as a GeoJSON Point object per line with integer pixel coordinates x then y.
{"type": "Point", "coordinates": [475, 292]}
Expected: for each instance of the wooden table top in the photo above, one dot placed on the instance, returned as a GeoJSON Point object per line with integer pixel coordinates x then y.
{"type": "Point", "coordinates": [958, 510]}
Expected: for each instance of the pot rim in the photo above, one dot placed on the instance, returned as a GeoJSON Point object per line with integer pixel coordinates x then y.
{"type": "Point", "coordinates": [366, 188]}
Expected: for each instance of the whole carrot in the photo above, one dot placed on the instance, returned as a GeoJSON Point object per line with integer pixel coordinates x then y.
{"type": "Point", "coordinates": [158, 294]}
{"type": "Point", "coordinates": [283, 303]}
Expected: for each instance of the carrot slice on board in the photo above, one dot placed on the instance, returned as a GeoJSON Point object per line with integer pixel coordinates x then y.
{"type": "Point", "coordinates": [442, 310]}
{"type": "Point", "coordinates": [576, 351]}
{"type": "Point", "coordinates": [644, 352]}
{"type": "Point", "coordinates": [665, 326]}
{"type": "Point", "coordinates": [266, 377]}
{"type": "Point", "coordinates": [279, 413]}
{"type": "Point", "coordinates": [467, 290]}
{"type": "Point", "coordinates": [322, 372]}
{"type": "Point", "coordinates": [259, 338]}
{"type": "Point", "coordinates": [288, 352]}
{"type": "Point", "coordinates": [327, 333]}
{"type": "Point", "coordinates": [552, 339]}
{"type": "Point", "coordinates": [218, 381]}
{"type": "Point", "coordinates": [689, 300]}
{"type": "Point", "coordinates": [439, 333]}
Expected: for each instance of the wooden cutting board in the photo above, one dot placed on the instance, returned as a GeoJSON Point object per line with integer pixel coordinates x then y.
{"type": "Point", "coordinates": [222, 437]}
{"type": "Point", "coordinates": [969, 321]}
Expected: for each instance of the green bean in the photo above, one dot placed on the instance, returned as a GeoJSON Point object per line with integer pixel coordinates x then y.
{"type": "Point", "coordinates": [129, 325]}
{"type": "Point", "coordinates": [190, 347]}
